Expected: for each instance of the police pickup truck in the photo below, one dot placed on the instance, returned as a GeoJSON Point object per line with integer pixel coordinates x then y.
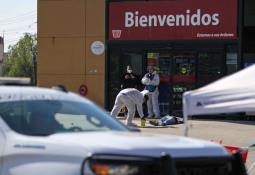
{"type": "Point", "coordinates": [55, 132]}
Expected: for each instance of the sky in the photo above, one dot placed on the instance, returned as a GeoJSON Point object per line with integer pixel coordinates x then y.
{"type": "Point", "coordinates": [16, 18]}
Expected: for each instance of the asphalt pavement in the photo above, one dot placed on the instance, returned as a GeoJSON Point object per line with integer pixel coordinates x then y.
{"type": "Point", "coordinates": [228, 132]}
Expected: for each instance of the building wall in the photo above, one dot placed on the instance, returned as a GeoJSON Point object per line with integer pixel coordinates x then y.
{"type": "Point", "coordinates": [66, 30]}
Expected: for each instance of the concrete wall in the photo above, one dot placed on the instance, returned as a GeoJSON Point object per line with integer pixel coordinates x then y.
{"type": "Point", "coordinates": [66, 30]}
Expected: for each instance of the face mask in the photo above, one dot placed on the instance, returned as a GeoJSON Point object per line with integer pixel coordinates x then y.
{"type": "Point", "coordinates": [129, 71]}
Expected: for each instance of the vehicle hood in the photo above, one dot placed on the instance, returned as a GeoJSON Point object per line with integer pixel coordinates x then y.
{"type": "Point", "coordinates": [133, 143]}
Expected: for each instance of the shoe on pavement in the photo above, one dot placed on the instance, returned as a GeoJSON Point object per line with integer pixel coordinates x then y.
{"type": "Point", "coordinates": [143, 121]}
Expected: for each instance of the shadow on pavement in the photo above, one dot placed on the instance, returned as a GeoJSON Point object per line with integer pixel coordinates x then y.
{"type": "Point", "coordinates": [244, 122]}
{"type": "Point", "coordinates": [158, 127]}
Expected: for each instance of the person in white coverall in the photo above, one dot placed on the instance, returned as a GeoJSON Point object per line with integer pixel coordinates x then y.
{"type": "Point", "coordinates": [131, 98]}
{"type": "Point", "coordinates": [151, 81]}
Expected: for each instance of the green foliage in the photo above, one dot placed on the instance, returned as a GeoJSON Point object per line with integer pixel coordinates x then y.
{"type": "Point", "coordinates": [20, 58]}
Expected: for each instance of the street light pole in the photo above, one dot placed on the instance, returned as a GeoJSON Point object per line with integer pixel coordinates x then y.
{"type": "Point", "coordinates": [35, 70]}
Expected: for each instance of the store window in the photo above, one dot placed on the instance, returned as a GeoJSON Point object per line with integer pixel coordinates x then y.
{"type": "Point", "coordinates": [184, 67]}
{"type": "Point", "coordinates": [113, 83]}
{"type": "Point", "coordinates": [133, 58]}
{"type": "Point", "coordinates": [210, 67]}
{"type": "Point", "coordinates": [177, 71]}
{"type": "Point", "coordinates": [162, 61]}
{"type": "Point", "coordinates": [184, 78]}
{"type": "Point", "coordinates": [249, 58]}
{"type": "Point", "coordinates": [231, 59]}
{"type": "Point", "coordinates": [249, 15]}
{"type": "Point", "coordinates": [119, 59]}
{"type": "Point", "coordinates": [249, 46]}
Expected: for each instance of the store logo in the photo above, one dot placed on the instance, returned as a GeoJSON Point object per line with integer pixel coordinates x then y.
{"type": "Point", "coordinates": [116, 33]}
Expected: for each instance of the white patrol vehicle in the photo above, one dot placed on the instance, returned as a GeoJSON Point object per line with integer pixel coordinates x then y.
{"type": "Point", "coordinates": [52, 132]}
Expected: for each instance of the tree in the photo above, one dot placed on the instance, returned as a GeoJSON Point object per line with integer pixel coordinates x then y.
{"type": "Point", "coordinates": [21, 58]}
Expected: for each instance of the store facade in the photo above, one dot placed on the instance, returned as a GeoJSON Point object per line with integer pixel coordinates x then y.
{"type": "Point", "coordinates": [88, 43]}
{"type": "Point", "coordinates": [191, 43]}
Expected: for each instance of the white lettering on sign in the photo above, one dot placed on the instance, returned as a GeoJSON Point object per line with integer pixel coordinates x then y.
{"type": "Point", "coordinates": [133, 19]}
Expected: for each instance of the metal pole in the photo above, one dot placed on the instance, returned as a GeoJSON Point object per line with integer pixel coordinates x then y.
{"type": "Point", "coordinates": [185, 115]}
{"type": "Point", "coordinates": [35, 70]}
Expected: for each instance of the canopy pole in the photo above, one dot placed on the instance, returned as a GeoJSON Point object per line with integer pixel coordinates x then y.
{"type": "Point", "coordinates": [186, 126]}
{"type": "Point", "coordinates": [185, 115]}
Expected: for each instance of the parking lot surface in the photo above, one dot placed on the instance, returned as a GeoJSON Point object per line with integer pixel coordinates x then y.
{"type": "Point", "coordinates": [230, 132]}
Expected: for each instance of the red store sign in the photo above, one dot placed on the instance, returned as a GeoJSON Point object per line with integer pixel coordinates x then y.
{"type": "Point", "coordinates": [173, 20]}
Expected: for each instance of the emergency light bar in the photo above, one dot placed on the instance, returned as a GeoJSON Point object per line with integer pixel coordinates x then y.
{"type": "Point", "coordinates": [15, 81]}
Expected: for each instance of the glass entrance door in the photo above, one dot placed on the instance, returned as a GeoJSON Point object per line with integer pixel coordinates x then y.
{"type": "Point", "coordinates": [177, 71]}
{"type": "Point", "coordinates": [162, 61]}
{"type": "Point", "coordinates": [184, 78]}
{"type": "Point", "coordinates": [119, 59]}
{"type": "Point", "coordinates": [133, 58]}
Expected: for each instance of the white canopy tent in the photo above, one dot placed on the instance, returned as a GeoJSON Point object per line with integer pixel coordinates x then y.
{"type": "Point", "coordinates": [234, 93]}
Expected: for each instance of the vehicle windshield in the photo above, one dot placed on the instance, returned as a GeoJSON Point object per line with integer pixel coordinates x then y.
{"type": "Point", "coordinates": [46, 117]}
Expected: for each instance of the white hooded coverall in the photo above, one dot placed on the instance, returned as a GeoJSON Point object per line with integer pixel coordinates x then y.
{"type": "Point", "coordinates": [130, 98]}
{"type": "Point", "coordinates": [152, 103]}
